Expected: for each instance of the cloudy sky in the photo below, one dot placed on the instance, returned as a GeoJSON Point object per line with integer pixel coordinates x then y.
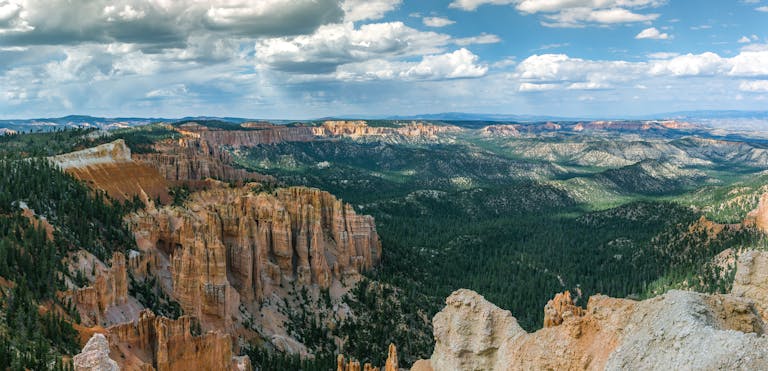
{"type": "Point", "coordinates": [314, 58]}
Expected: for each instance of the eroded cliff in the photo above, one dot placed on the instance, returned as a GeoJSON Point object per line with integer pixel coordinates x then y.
{"type": "Point", "coordinates": [677, 330]}
{"type": "Point", "coordinates": [233, 246]}
{"type": "Point", "coordinates": [110, 168]}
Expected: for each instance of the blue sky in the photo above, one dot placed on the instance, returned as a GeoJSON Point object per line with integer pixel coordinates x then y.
{"type": "Point", "coordinates": [314, 58]}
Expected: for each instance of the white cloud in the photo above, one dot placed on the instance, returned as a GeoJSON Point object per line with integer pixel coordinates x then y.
{"type": "Point", "coordinates": [437, 22]}
{"type": "Point", "coordinates": [338, 44]}
{"type": "Point", "coordinates": [762, 9]}
{"type": "Point", "coordinates": [577, 73]}
{"type": "Point", "coordinates": [758, 86]}
{"type": "Point", "coordinates": [529, 87]}
{"type": "Point", "coordinates": [705, 64]}
{"type": "Point", "coordinates": [744, 40]}
{"type": "Point", "coordinates": [574, 13]}
{"type": "Point", "coordinates": [359, 10]}
{"type": "Point", "coordinates": [456, 65]}
{"type": "Point", "coordinates": [480, 39]}
{"type": "Point", "coordinates": [460, 64]}
{"type": "Point", "coordinates": [471, 5]}
{"type": "Point", "coordinates": [652, 33]}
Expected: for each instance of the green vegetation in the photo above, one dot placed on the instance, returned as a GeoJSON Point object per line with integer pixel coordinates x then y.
{"type": "Point", "coordinates": [474, 215]}
{"type": "Point", "coordinates": [34, 265]}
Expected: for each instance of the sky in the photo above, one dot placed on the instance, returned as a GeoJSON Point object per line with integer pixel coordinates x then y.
{"type": "Point", "coordinates": [298, 59]}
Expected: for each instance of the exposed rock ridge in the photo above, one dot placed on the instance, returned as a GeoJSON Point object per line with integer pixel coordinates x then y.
{"type": "Point", "coordinates": [228, 246]}
{"type": "Point", "coordinates": [110, 168]}
{"type": "Point", "coordinates": [352, 365]}
{"type": "Point", "coordinates": [163, 344]}
{"type": "Point", "coordinates": [95, 356]}
{"type": "Point", "coordinates": [360, 129]}
{"type": "Point", "coordinates": [105, 301]}
{"type": "Point", "coordinates": [108, 153]}
{"type": "Point", "coordinates": [758, 218]}
{"type": "Point", "coordinates": [677, 330]}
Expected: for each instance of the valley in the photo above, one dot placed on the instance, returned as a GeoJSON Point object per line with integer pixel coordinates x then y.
{"type": "Point", "coordinates": [281, 246]}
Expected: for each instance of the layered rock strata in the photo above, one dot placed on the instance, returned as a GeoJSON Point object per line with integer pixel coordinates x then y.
{"type": "Point", "coordinates": [105, 300]}
{"type": "Point", "coordinates": [758, 218]}
{"type": "Point", "coordinates": [677, 330]}
{"type": "Point", "coordinates": [228, 246]}
{"type": "Point", "coordinates": [162, 344]}
{"type": "Point", "coordinates": [110, 168]}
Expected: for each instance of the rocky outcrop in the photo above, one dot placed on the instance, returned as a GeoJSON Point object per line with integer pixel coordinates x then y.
{"type": "Point", "coordinates": [559, 307]}
{"type": "Point", "coordinates": [751, 280]}
{"type": "Point", "coordinates": [352, 365]}
{"type": "Point", "coordinates": [360, 129]}
{"type": "Point", "coordinates": [758, 218]}
{"type": "Point", "coordinates": [677, 330]}
{"type": "Point", "coordinates": [95, 356]}
{"type": "Point", "coordinates": [193, 158]}
{"type": "Point", "coordinates": [500, 131]}
{"type": "Point", "coordinates": [105, 300]}
{"type": "Point", "coordinates": [228, 246]}
{"type": "Point", "coordinates": [163, 344]}
{"type": "Point", "coordinates": [110, 168]}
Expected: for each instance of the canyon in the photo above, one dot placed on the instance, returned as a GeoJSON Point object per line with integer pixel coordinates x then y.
{"type": "Point", "coordinates": [677, 330]}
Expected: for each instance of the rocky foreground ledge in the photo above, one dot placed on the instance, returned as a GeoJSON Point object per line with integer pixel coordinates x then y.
{"type": "Point", "coordinates": [680, 330]}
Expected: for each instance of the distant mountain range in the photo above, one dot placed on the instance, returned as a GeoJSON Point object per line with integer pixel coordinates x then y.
{"type": "Point", "coordinates": [741, 120]}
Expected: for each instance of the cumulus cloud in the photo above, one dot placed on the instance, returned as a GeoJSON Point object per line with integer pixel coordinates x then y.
{"type": "Point", "coordinates": [581, 74]}
{"type": "Point", "coordinates": [338, 44]}
{"type": "Point", "coordinates": [576, 73]}
{"type": "Point", "coordinates": [358, 10]}
{"type": "Point", "coordinates": [157, 24]}
{"type": "Point", "coordinates": [437, 21]}
{"type": "Point", "coordinates": [574, 13]}
{"type": "Point", "coordinates": [652, 33]}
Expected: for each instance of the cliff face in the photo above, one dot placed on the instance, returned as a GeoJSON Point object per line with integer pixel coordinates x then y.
{"type": "Point", "coordinates": [192, 158]}
{"type": "Point", "coordinates": [758, 218]}
{"type": "Point", "coordinates": [109, 167]}
{"type": "Point", "coordinates": [230, 246]}
{"type": "Point", "coordinates": [105, 300]}
{"type": "Point", "coordinates": [360, 129]}
{"type": "Point", "coordinates": [678, 330]}
{"type": "Point", "coordinates": [159, 343]}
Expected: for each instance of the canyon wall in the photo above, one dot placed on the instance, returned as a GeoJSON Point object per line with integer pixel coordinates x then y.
{"type": "Point", "coordinates": [229, 246]}
{"type": "Point", "coordinates": [677, 330]}
{"type": "Point", "coordinates": [163, 344]}
{"type": "Point", "coordinates": [110, 168]}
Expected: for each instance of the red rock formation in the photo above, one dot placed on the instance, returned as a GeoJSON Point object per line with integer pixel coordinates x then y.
{"type": "Point", "coordinates": [357, 129]}
{"type": "Point", "coordinates": [391, 364]}
{"type": "Point", "coordinates": [559, 307]}
{"type": "Point", "coordinates": [109, 167]}
{"type": "Point", "coordinates": [109, 288]}
{"type": "Point", "coordinates": [758, 218]}
{"type": "Point", "coordinates": [230, 245]}
{"type": "Point", "coordinates": [159, 343]}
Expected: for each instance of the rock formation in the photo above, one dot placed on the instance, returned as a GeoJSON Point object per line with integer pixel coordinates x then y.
{"type": "Point", "coordinates": [109, 167]}
{"type": "Point", "coordinates": [352, 365]}
{"type": "Point", "coordinates": [677, 330]}
{"type": "Point", "coordinates": [95, 356]}
{"type": "Point", "coordinates": [360, 129]}
{"type": "Point", "coordinates": [162, 344]}
{"type": "Point", "coordinates": [105, 301]}
{"type": "Point", "coordinates": [559, 307]}
{"type": "Point", "coordinates": [758, 218]}
{"type": "Point", "coordinates": [230, 245]}
{"type": "Point", "coordinates": [500, 131]}
{"type": "Point", "coordinates": [751, 280]}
